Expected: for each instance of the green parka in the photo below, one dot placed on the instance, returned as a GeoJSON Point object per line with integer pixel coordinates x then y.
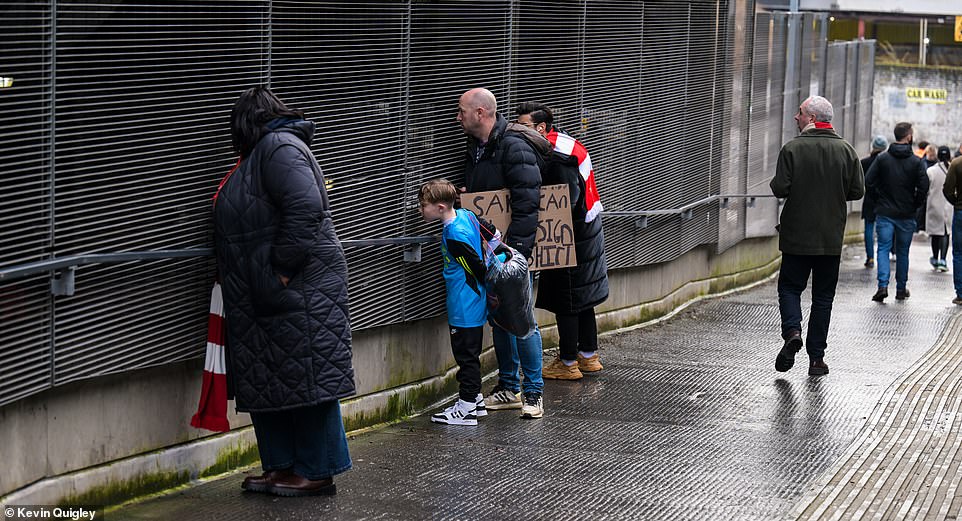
{"type": "Point", "coordinates": [817, 173]}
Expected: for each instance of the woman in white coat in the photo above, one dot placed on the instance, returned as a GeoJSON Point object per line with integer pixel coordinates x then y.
{"type": "Point", "coordinates": [938, 212]}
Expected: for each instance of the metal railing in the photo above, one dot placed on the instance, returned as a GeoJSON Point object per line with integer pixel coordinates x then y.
{"type": "Point", "coordinates": [64, 268]}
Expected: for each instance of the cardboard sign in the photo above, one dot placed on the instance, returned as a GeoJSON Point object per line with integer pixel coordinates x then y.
{"type": "Point", "coordinates": [554, 244]}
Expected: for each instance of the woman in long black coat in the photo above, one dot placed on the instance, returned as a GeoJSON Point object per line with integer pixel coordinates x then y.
{"type": "Point", "coordinates": [284, 279]}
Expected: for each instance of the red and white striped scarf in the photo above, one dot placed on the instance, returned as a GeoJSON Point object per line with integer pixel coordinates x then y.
{"type": "Point", "coordinates": [212, 409]}
{"type": "Point", "coordinates": [570, 146]}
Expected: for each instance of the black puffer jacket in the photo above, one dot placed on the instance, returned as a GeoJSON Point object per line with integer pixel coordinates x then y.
{"type": "Point", "coordinates": [508, 161]}
{"type": "Point", "coordinates": [569, 291]}
{"type": "Point", "coordinates": [288, 346]}
{"type": "Point", "coordinates": [897, 182]}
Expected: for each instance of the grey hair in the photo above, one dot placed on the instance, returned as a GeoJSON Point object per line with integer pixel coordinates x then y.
{"type": "Point", "coordinates": [821, 108]}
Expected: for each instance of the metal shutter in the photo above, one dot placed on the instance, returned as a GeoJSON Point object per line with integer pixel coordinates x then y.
{"type": "Point", "coordinates": [343, 64]}
{"type": "Point", "coordinates": [143, 93]}
{"type": "Point", "coordinates": [766, 123]}
{"type": "Point", "coordinates": [25, 140]}
{"type": "Point", "coordinates": [116, 134]}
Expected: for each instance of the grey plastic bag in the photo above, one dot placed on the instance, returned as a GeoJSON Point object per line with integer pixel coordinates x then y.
{"type": "Point", "coordinates": [508, 285]}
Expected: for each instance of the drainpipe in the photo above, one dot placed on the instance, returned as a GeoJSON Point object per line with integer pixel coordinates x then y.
{"type": "Point", "coordinates": [923, 31]}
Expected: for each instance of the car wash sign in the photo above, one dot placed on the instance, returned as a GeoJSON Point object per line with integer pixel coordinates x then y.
{"type": "Point", "coordinates": [920, 95]}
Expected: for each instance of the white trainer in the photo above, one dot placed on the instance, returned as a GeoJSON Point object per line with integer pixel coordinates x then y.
{"type": "Point", "coordinates": [461, 413]}
{"type": "Point", "coordinates": [533, 406]}
{"type": "Point", "coordinates": [480, 409]}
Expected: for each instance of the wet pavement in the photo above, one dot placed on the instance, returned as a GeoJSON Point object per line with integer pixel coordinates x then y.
{"type": "Point", "coordinates": [689, 420]}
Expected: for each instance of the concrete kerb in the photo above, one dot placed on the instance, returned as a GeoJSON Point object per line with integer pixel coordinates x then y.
{"type": "Point", "coordinates": [186, 463]}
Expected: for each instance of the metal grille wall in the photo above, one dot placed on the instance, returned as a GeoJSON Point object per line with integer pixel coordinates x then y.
{"type": "Point", "coordinates": [115, 136]}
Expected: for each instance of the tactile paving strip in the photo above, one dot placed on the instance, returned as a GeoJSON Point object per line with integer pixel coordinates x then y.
{"type": "Point", "coordinates": [689, 420]}
{"type": "Point", "coordinates": [905, 463]}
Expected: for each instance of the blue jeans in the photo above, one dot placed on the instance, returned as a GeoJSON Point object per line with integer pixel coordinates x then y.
{"type": "Point", "coordinates": [899, 230]}
{"type": "Point", "coordinates": [513, 352]}
{"type": "Point", "coordinates": [792, 279]}
{"type": "Point", "coordinates": [957, 252]}
{"type": "Point", "coordinates": [869, 239]}
{"type": "Point", "coordinates": [310, 440]}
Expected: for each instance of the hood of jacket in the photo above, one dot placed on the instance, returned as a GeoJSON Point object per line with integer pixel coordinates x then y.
{"type": "Point", "coordinates": [300, 128]}
{"type": "Point", "coordinates": [900, 150]}
{"type": "Point", "coordinates": [532, 136]}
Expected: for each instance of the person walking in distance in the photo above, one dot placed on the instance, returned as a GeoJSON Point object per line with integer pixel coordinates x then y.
{"type": "Point", "coordinates": [938, 213]}
{"type": "Point", "coordinates": [496, 159]}
{"type": "Point", "coordinates": [879, 144]}
{"type": "Point", "coordinates": [899, 186]}
{"type": "Point", "coordinates": [572, 293]}
{"type": "Point", "coordinates": [816, 173]}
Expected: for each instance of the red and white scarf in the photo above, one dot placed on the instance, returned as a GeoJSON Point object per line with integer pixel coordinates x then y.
{"type": "Point", "coordinates": [570, 146]}
{"type": "Point", "coordinates": [212, 409]}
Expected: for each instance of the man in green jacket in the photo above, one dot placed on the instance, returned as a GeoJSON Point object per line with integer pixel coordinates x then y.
{"type": "Point", "coordinates": [817, 173]}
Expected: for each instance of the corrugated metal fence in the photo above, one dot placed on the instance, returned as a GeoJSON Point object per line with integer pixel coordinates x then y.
{"type": "Point", "coordinates": [114, 135]}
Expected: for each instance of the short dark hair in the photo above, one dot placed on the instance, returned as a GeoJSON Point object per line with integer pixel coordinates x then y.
{"type": "Point", "coordinates": [539, 112]}
{"type": "Point", "coordinates": [256, 107]}
{"type": "Point", "coordinates": [902, 129]}
{"type": "Point", "coordinates": [923, 144]}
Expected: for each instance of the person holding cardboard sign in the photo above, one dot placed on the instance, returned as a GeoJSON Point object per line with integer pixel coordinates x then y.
{"type": "Point", "coordinates": [572, 293]}
{"type": "Point", "coordinates": [497, 159]}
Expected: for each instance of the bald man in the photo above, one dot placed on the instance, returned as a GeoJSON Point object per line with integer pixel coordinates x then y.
{"type": "Point", "coordinates": [502, 155]}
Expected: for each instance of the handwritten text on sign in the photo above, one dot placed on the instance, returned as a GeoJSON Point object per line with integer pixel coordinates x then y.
{"type": "Point", "coordinates": [555, 240]}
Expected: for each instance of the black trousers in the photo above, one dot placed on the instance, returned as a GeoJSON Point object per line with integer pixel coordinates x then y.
{"type": "Point", "coordinates": [466, 346]}
{"type": "Point", "coordinates": [578, 332]}
{"type": "Point", "coordinates": [792, 280]}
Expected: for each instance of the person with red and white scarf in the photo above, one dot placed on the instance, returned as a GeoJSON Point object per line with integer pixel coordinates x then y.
{"type": "Point", "coordinates": [572, 293]}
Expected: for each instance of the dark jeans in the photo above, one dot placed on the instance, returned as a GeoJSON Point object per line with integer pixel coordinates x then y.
{"type": "Point", "coordinates": [792, 280]}
{"type": "Point", "coordinates": [897, 233]}
{"type": "Point", "coordinates": [577, 333]}
{"type": "Point", "coordinates": [309, 439]}
{"type": "Point", "coordinates": [466, 346]}
{"type": "Point", "coordinates": [940, 246]}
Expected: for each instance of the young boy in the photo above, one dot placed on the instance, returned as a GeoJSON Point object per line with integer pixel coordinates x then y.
{"type": "Point", "coordinates": [464, 271]}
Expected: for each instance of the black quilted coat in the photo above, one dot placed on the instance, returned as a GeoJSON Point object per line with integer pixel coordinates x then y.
{"type": "Point", "coordinates": [569, 291]}
{"type": "Point", "coordinates": [509, 161]}
{"type": "Point", "coordinates": [288, 346]}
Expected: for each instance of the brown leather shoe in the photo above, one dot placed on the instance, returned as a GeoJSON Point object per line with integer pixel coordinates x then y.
{"type": "Point", "coordinates": [294, 486]}
{"type": "Point", "coordinates": [817, 368]}
{"type": "Point", "coordinates": [262, 483]}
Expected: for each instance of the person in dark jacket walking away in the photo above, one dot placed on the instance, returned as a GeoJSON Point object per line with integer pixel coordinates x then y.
{"type": "Point", "coordinates": [952, 189]}
{"type": "Point", "coordinates": [816, 173]}
{"type": "Point", "coordinates": [464, 270]}
{"type": "Point", "coordinates": [879, 144]}
{"type": "Point", "coordinates": [284, 279]}
{"type": "Point", "coordinates": [899, 186]}
{"type": "Point", "coordinates": [938, 212]}
{"type": "Point", "coordinates": [497, 159]}
{"type": "Point", "coordinates": [572, 293]}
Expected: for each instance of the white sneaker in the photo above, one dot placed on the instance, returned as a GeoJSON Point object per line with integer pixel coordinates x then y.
{"type": "Point", "coordinates": [461, 413]}
{"type": "Point", "coordinates": [502, 399]}
{"type": "Point", "coordinates": [480, 409]}
{"type": "Point", "coordinates": [533, 406]}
